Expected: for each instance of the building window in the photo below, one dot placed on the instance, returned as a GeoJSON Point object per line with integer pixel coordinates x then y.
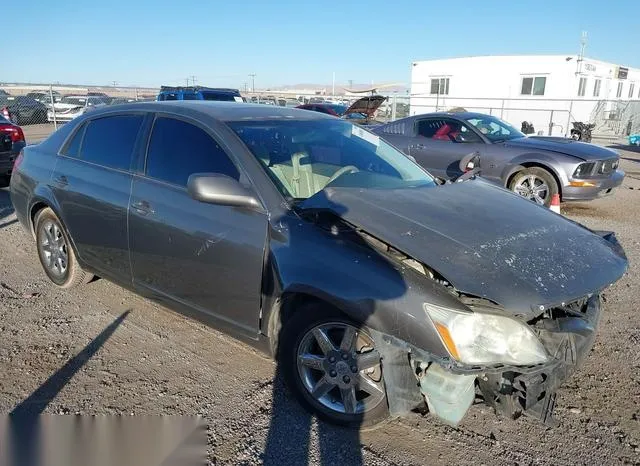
{"type": "Point", "coordinates": [440, 86]}
{"type": "Point", "coordinates": [631, 89]}
{"type": "Point", "coordinates": [619, 93]}
{"type": "Point", "coordinates": [582, 87]}
{"type": "Point", "coordinates": [596, 88]}
{"type": "Point", "coordinates": [533, 85]}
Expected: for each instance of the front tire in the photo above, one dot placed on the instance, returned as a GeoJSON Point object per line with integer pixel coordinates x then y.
{"type": "Point", "coordinates": [56, 253]}
{"type": "Point", "coordinates": [535, 184]}
{"type": "Point", "coordinates": [331, 365]}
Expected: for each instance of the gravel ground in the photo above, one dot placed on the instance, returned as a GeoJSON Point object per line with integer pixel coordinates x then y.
{"type": "Point", "coordinates": [99, 349]}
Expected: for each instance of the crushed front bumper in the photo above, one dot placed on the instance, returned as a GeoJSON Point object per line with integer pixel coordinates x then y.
{"type": "Point", "coordinates": [511, 390]}
{"type": "Point", "coordinates": [532, 392]}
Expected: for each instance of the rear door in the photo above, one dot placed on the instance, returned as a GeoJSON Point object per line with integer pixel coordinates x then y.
{"type": "Point", "coordinates": [92, 184]}
{"type": "Point", "coordinates": [204, 256]}
{"type": "Point", "coordinates": [440, 143]}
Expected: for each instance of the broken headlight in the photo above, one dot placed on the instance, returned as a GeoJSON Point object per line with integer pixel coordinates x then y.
{"type": "Point", "coordinates": [478, 338]}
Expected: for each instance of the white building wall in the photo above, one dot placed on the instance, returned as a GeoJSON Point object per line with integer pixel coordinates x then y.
{"type": "Point", "coordinates": [493, 85]}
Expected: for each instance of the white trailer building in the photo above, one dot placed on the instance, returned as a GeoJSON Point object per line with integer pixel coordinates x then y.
{"type": "Point", "coordinates": [550, 91]}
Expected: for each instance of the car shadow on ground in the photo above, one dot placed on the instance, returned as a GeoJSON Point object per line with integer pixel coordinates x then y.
{"type": "Point", "coordinates": [24, 440]}
{"type": "Point", "coordinates": [628, 148]}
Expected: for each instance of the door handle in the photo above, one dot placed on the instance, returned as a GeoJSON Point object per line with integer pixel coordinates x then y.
{"type": "Point", "coordinates": [142, 207]}
{"type": "Point", "coordinates": [61, 180]}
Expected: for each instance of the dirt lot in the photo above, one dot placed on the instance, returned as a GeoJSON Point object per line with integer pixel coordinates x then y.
{"type": "Point", "coordinates": [67, 352]}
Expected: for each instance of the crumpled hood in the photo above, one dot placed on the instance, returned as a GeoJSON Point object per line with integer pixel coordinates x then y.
{"type": "Point", "coordinates": [578, 149]}
{"type": "Point", "coordinates": [486, 241]}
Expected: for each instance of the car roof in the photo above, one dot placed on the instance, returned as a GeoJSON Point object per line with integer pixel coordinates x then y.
{"type": "Point", "coordinates": [223, 111]}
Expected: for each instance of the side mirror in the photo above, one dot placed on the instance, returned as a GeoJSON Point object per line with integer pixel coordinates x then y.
{"type": "Point", "coordinates": [213, 188]}
{"type": "Point", "coordinates": [470, 162]}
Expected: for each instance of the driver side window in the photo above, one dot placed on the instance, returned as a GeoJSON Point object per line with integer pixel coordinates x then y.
{"type": "Point", "coordinates": [446, 130]}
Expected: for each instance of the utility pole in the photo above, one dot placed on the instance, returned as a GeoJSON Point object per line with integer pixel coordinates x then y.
{"type": "Point", "coordinates": [333, 85]}
{"type": "Point", "coordinates": [193, 80]}
{"type": "Point", "coordinates": [115, 83]}
{"type": "Point", "coordinates": [253, 82]}
{"type": "Point", "coordinates": [351, 84]}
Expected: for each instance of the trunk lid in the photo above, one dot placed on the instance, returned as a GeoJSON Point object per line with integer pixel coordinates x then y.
{"type": "Point", "coordinates": [366, 105]}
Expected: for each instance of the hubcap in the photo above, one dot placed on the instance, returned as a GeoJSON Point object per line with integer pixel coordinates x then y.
{"type": "Point", "coordinates": [532, 188]}
{"type": "Point", "coordinates": [53, 248]}
{"type": "Point", "coordinates": [340, 368]}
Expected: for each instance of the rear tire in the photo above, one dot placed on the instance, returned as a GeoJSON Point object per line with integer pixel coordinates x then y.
{"type": "Point", "coordinates": [535, 184]}
{"type": "Point", "coordinates": [56, 253]}
{"type": "Point", "coordinates": [356, 396]}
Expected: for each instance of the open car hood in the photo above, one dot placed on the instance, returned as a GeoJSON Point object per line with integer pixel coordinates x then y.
{"type": "Point", "coordinates": [581, 150]}
{"type": "Point", "coordinates": [366, 105]}
{"type": "Point", "coordinates": [485, 241]}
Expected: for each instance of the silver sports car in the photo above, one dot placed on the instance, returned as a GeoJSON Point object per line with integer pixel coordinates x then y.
{"type": "Point", "coordinates": [535, 167]}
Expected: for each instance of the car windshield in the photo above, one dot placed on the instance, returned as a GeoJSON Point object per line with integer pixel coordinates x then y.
{"type": "Point", "coordinates": [494, 129]}
{"type": "Point", "coordinates": [305, 156]}
{"type": "Point", "coordinates": [81, 101]}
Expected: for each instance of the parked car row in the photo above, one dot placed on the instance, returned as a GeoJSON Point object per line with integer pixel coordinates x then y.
{"type": "Point", "coordinates": [38, 106]}
{"type": "Point", "coordinates": [378, 287]}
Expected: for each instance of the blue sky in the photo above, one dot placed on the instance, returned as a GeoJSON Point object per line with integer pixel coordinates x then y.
{"type": "Point", "coordinates": [287, 42]}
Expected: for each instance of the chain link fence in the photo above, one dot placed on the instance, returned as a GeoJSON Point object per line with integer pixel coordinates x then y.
{"type": "Point", "coordinates": [42, 104]}
{"type": "Point", "coordinates": [26, 105]}
{"type": "Point", "coordinates": [613, 119]}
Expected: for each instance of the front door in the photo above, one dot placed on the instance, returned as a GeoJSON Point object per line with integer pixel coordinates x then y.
{"type": "Point", "coordinates": [92, 183]}
{"type": "Point", "coordinates": [204, 256]}
{"type": "Point", "coordinates": [440, 144]}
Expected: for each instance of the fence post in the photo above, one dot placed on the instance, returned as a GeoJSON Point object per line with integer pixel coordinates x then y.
{"type": "Point", "coordinates": [53, 107]}
{"type": "Point", "coordinates": [568, 131]}
{"type": "Point", "coordinates": [551, 123]}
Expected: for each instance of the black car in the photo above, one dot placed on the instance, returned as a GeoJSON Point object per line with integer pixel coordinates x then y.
{"type": "Point", "coordinates": [376, 289]}
{"type": "Point", "coordinates": [11, 143]}
{"type": "Point", "coordinates": [24, 110]}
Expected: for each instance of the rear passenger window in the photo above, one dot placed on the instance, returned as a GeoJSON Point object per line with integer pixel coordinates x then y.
{"type": "Point", "coordinates": [110, 141]}
{"type": "Point", "coordinates": [187, 96]}
{"type": "Point", "coordinates": [72, 148]}
{"type": "Point", "coordinates": [178, 149]}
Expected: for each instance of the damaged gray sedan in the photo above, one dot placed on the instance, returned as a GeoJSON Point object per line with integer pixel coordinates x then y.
{"type": "Point", "coordinates": [377, 289]}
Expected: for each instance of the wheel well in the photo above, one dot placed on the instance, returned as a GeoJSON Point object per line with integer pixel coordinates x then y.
{"type": "Point", "coordinates": [37, 207]}
{"type": "Point", "coordinates": [285, 308]}
{"type": "Point", "coordinates": [538, 165]}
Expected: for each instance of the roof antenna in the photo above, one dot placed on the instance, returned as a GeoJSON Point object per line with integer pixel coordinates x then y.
{"type": "Point", "coordinates": [583, 46]}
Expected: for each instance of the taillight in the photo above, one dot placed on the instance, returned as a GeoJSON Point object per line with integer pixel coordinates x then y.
{"type": "Point", "coordinates": [14, 132]}
{"type": "Point", "coordinates": [18, 160]}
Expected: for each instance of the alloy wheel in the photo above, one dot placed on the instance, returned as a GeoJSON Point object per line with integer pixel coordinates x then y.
{"type": "Point", "coordinates": [340, 368]}
{"type": "Point", "coordinates": [533, 188]}
{"type": "Point", "coordinates": [53, 248]}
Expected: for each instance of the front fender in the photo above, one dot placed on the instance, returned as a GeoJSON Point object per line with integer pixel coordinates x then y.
{"type": "Point", "coordinates": [354, 277]}
{"type": "Point", "coordinates": [552, 162]}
